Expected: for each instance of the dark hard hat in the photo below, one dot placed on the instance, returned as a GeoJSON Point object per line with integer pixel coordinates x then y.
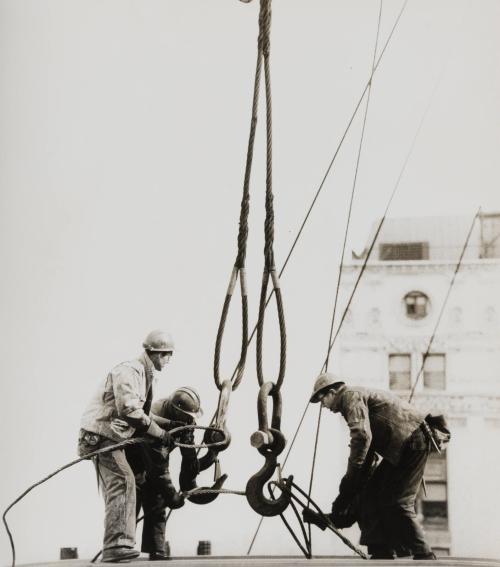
{"type": "Point", "coordinates": [186, 400]}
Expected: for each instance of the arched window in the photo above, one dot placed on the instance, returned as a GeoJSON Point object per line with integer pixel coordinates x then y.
{"type": "Point", "coordinates": [416, 304]}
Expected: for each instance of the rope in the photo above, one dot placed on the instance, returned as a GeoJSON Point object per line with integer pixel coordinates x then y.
{"type": "Point", "coordinates": [343, 137]}
{"type": "Point", "coordinates": [313, 465]}
{"type": "Point", "coordinates": [358, 159]}
{"type": "Point", "coordinates": [330, 526]}
{"type": "Point", "coordinates": [307, 549]}
{"type": "Point", "coordinates": [189, 493]}
{"type": "Point", "coordinates": [269, 264]}
{"type": "Point", "coordinates": [109, 449]}
{"type": "Point", "coordinates": [306, 218]}
{"type": "Point", "coordinates": [239, 265]}
{"type": "Point", "coordinates": [382, 220]}
{"type": "Point", "coordinates": [450, 287]}
{"type": "Point", "coordinates": [368, 255]}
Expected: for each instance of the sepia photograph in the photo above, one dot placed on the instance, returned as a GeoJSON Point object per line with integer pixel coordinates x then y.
{"type": "Point", "coordinates": [250, 308]}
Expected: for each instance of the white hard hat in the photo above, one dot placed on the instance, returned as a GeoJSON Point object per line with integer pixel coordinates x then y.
{"type": "Point", "coordinates": [159, 341]}
{"type": "Point", "coordinates": [324, 381]}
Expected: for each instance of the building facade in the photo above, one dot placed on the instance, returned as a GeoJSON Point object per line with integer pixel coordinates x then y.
{"type": "Point", "coordinates": [386, 343]}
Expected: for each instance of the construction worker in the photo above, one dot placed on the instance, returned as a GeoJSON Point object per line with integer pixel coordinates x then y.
{"type": "Point", "coordinates": [119, 410]}
{"type": "Point", "coordinates": [379, 423]}
{"type": "Point", "coordinates": [150, 463]}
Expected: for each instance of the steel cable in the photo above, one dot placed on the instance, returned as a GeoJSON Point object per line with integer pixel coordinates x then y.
{"type": "Point", "coordinates": [269, 263]}
{"type": "Point", "coordinates": [121, 445]}
{"type": "Point", "coordinates": [443, 307]}
{"type": "Point", "coordinates": [358, 160]}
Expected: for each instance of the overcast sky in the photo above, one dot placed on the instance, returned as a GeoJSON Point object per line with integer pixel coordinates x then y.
{"type": "Point", "coordinates": [123, 133]}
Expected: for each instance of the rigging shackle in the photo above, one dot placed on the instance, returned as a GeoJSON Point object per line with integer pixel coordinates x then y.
{"type": "Point", "coordinates": [218, 438]}
{"type": "Point", "coordinates": [270, 442]}
{"type": "Point", "coordinates": [264, 440]}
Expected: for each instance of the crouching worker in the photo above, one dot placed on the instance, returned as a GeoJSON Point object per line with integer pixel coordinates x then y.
{"type": "Point", "coordinates": [119, 410]}
{"type": "Point", "coordinates": [150, 463]}
{"type": "Point", "coordinates": [381, 500]}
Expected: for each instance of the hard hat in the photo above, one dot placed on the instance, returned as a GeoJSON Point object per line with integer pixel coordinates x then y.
{"type": "Point", "coordinates": [187, 400]}
{"type": "Point", "coordinates": [324, 381]}
{"type": "Point", "coordinates": [159, 341]}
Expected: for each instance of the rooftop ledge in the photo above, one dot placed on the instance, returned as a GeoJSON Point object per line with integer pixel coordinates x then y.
{"type": "Point", "coordinates": [270, 561]}
{"type": "Point", "coordinates": [423, 263]}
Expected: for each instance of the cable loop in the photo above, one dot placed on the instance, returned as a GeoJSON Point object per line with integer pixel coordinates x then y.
{"type": "Point", "coordinates": [240, 368]}
{"type": "Point", "coordinates": [260, 327]}
{"type": "Point", "coordinates": [239, 265]}
{"type": "Point", "coordinates": [205, 445]}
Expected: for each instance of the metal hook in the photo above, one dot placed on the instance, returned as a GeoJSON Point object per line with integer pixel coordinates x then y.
{"type": "Point", "coordinates": [270, 442]}
{"type": "Point", "coordinates": [255, 486]}
{"type": "Point", "coordinates": [220, 438]}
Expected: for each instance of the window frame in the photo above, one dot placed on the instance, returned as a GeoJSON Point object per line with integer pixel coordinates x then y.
{"type": "Point", "coordinates": [419, 311]}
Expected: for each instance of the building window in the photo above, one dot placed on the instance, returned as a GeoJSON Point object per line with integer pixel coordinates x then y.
{"type": "Point", "coordinates": [433, 505]}
{"type": "Point", "coordinates": [435, 372]}
{"type": "Point", "coordinates": [416, 304]}
{"type": "Point", "coordinates": [399, 371]}
{"type": "Point", "coordinates": [397, 251]}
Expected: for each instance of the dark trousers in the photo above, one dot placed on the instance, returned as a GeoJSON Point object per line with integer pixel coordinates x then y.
{"type": "Point", "coordinates": [387, 519]}
{"type": "Point", "coordinates": [149, 495]}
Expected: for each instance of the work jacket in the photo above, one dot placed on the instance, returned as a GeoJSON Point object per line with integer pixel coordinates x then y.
{"type": "Point", "coordinates": [376, 417]}
{"type": "Point", "coordinates": [117, 409]}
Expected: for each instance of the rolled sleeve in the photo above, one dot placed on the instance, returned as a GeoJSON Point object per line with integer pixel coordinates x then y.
{"type": "Point", "coordinates": [355, 412]}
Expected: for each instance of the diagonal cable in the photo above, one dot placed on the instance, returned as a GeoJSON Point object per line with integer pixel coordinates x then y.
{"type": "Point", "coordinates": [382, 220]}
{"type": "Point", "coordinates": [443, 307]}
{"type": "Point", "coordinates": [358, 159]}
{"type": "Point", "coordinates": [335, 301]}
{"type": "Point", "coordinates": [347, 128]}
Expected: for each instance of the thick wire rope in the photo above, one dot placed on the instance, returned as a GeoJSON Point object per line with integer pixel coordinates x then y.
{"type": "Point", "coordinates": [443, 307]}
{"type": "Point", "coordinates": [318, 191]}
{"type": "Point", "coordinates": [375, 64]}
{"type": "Point", "coordinates": [269, 262]}
{"type": "Point", "coordinates": [239, 265]}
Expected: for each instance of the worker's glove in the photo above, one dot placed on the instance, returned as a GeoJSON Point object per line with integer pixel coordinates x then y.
{"type": "Point", "coordinates": [176, 501]}
{"type": "Point", "coordinates": [343, 512]}
{"type": "Point", "coordinates": [311, 517]}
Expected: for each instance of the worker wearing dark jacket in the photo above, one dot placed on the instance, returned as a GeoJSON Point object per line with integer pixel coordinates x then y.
{"type": "Point", "coordinates": [381, 423]}
{"type": "Point", "coordinates": [150, 464]}
{"type": "Point", "coordinates": [120, 409]}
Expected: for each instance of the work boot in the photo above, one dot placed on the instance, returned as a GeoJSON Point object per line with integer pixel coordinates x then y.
{"type": "Point", "coordinates": [119, 555]}
{"type": "Point", "coordinates": [159, 556]}
{"type": "Point", "coordinates": [378, 551]}
{"type": "Point", "coordinates": [430, 555]}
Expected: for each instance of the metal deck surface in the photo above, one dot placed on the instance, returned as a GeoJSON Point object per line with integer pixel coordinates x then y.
{"type": "Point", "coordinates": [275, 561]}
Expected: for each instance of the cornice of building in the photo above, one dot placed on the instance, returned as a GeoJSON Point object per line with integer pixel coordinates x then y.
{"type": "Point", "coordinates": [424, 266]}
{"type": "Point", "coordinates": [485, 340]}
{"type": "Point", "coordinates": [456, 404]}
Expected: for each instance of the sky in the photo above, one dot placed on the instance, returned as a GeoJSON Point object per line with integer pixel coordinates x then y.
{"type": "Point", "coordinates": [123, 134]}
